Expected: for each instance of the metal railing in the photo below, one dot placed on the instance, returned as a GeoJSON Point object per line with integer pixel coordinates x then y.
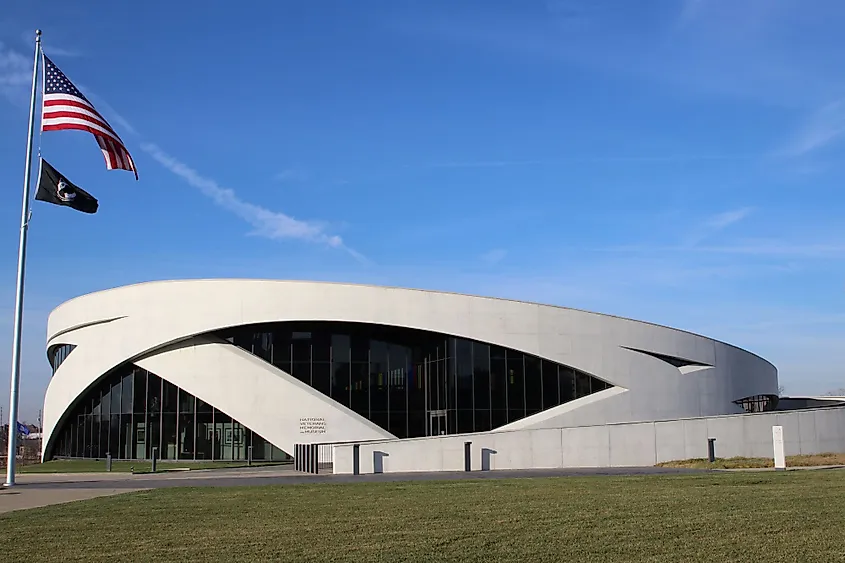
{"type": "Point", "coordinates": [312, 458]}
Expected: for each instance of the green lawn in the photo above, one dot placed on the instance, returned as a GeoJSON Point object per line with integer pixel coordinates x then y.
{"type": "Point", "coordinates": [771, 517]}
{"type": "Point", "coordinates": [92, 466]}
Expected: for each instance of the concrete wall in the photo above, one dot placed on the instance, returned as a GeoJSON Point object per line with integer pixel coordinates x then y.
{"type": "Point", "coordinates": [611, 445]}
{"type": "Point", "coordinates": [262, 397]}
{"type": "Point", "coordinates": [138, 323]}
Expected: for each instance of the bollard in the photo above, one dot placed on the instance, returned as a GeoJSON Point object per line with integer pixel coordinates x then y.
{"type": "Point", "coordinates": [779, 453]}
{"type": "Point", "coordinates": [711, 450]}
{"type": "Point", "coordinates": [108, 462]}
{"type": "Point", "coordinates": [467, 456]}
{"type": "Point", "coordinates": [356, 459]}
{"type": "Point", "coordinates": [155, 454]}
{"type": "Point", "coordinates": [249, 456]}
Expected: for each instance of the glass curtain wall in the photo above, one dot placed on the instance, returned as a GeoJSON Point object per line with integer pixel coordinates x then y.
{"type": "Point", "coordinates": [58, 354]}
{"type": "Point", "coordinates": [411, 383]}
{"type": "Point", "coordinates": [415, 383]}
{"type": "Point", "coordinates": [133, 411]}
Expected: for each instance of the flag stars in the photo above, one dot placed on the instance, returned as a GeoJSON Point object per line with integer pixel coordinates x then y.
{"type": "Point", "coordinates": [65, 107]}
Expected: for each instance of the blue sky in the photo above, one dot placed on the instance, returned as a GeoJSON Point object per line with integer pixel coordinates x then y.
{"type": "Point", "coordinates": [674, 161]}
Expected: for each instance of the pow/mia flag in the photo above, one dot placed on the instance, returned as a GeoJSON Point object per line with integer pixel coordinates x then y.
{"type": "Point", "coordinates": [55, 188]}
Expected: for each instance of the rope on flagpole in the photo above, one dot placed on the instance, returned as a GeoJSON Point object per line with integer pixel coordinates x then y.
{"type": "Point", "coordinates": [39, 56]}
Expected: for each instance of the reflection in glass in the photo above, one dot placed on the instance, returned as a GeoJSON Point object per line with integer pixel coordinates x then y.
{"type": "Point", "coordinates": [533, 385]}
{"type": "Point", "coordinates": [410, 382]}
{"type": "Point", "coordinates": [415, 383]}
{"type": "Point", "coordinates": [160, 416]}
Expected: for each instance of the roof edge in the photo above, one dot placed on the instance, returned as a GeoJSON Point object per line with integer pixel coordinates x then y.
{"type": "Point", "coordinates": [442, 292]}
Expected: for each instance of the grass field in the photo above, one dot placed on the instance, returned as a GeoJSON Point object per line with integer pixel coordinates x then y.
{"type": "Point", "coordinates": [772, 517]}
{"type": "Point", "coordinates": [94, 466]}
{"type": "Point", "coordinates": [758, 462]}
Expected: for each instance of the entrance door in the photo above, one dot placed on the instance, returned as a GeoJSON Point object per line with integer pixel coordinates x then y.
{"type": "Point", "coordinates": [437, 423]}
{"type": "Point", "coordinates": [436, 387]}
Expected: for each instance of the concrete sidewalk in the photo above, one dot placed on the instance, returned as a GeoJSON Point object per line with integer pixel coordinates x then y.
{"type": "Point", "coordinates": [21, 497]}
{"type": "Point", "coordinates": [33, 490]}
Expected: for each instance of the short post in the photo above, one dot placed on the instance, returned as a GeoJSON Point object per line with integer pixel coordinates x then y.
{"type": "Point", "coordinates": [467, 456]}
{"type": "Point", "coordinates": [356, 459]}
{"type": "Point", "coordinates": [108, 462]}
{"type": "Point", "coordinates": [249, 456]}
{"type": "Point", "coordinates": [780, 455]}
{"type": "Point", "coordinates": [154, 456]}
{"type": "Point", "coordinates": [711, 450]}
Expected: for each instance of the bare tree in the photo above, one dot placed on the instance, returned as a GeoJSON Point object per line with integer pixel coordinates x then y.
{"type": "Point", "coordinates": [836, 393]}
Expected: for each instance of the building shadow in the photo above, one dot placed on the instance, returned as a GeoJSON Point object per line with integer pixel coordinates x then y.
{"type": "Point", "coordinates": [378, 461]}
{"type": "Point", "coordinates": [486, 455]}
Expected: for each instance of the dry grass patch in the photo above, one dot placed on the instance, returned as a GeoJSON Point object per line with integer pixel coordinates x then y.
{"type": "Point", "coordinates": [815, 460]}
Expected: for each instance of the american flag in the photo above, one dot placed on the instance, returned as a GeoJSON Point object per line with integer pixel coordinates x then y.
{"type": "Point", "coordinates": [65, 107]}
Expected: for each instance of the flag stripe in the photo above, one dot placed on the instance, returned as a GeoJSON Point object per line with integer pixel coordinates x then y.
{"type": "Point", "coordinates": [73, 107]}
{"type": "Point", "coordinates": [65, 107]}
{"type": "Point", "coordinates": [62, 100]}
{"type": "Point", "coordinates": [118, 156]}
{"type": "Point", "coordinates": [57, 116]}
{"type": "Point", "coordinates": [112, 156]}
{"type": "Point", "coordinates": [75, 123]}
{"type": "Point", "coordinates": [108, 153]}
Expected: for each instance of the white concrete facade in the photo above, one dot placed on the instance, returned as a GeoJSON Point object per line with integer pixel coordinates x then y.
{"type": "Point", "coordinates": [165, 327]}
{"type": "Point", "coordinates": [640, 444]}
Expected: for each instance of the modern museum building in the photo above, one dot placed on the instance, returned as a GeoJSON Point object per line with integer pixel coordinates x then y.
{"type": "Point", "coordinates": [230, 369]}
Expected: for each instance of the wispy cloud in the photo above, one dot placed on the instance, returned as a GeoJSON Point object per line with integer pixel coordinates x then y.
{"type": "Point", "coordinates": [709, 236]}
{"type": "Point", "coordinates": [482, 163]}
{"type": "Point", "coordinates": [269, 224]}
{"type": "Point", "coordinates": [110, 113]}
{"type": "Point", "coordinates": [721, 220]}
{"type": "Point", "coordinates": [494, 256]}
{"type": "Point", "coordinates": [714, 224]}
{"type": "Point", "coordinates": [16, 71]}
{"type": "Point", "coordinates": [690, 10]}
{"type": "Point", "coordinates": [597, 159]}
{"type": "Point", "coordinates": [290, 175]}
{"type": "Point", "coordinates": [15, 74]}
{"type": "Point", "coordinates": [59, 52]}
{"type": "Point", "coordinates": [53, 51]}
{"type": "Point", "coordinates": [16, 77]}
{"type": "Point", "coordinates": [753, 59]}
{"type": "Point", "coordinates": [27, 37]}
{"type": "Point", "coordinates": [824, 127]}
{"type": "Point", "coordinates": [568, 9]}
{"type": "Point", "coordinates": [760, 248]}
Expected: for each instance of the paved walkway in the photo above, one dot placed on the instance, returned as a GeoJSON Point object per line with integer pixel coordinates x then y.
{"type": "Point", "coordinates": [42, 489]}
{"type": "Point", "coordinates": [19, 498]}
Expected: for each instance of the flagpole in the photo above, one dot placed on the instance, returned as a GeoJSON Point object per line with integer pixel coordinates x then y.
{"type": "Point", "coordinates": [16, 338]}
